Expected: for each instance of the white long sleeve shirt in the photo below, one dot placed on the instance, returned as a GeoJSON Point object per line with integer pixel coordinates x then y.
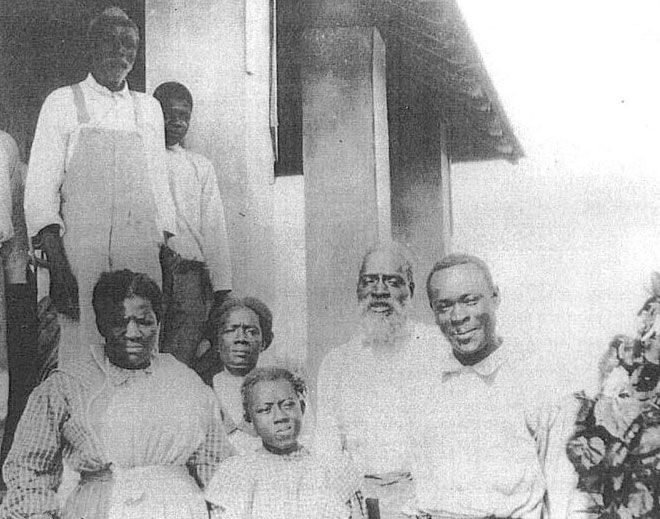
{"type": "Point", "coordinates": [365, 401]}
{"type": "Point", "coordinates": [492, 441]}
{"type": "Point", "coordinates": [55, 141]}
{"type": "Point", "coordinates": [16, 250]}
{"type": "Point", "coordinates": [9, 162]}
{"type": "Point", "coordinates": [201, 229]}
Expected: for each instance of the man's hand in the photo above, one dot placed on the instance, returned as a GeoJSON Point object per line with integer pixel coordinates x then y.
{"type": "Point", "coordinates": [63, 284]}
{"type": "Point", "coordinates": [169, 260]}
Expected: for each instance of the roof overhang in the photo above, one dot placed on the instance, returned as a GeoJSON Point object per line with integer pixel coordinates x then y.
{"type": "Point", "coordinates": [437, 51]}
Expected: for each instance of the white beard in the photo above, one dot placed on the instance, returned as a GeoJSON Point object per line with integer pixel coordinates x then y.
{"type": "Point", "coordinates": [381, 331]}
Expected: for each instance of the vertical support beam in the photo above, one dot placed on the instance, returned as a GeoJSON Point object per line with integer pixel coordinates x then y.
{"type": "Point", "coordinates": [381, 138]}
{"type": "Point", "coordinates": [446, 196]}
{"type": "Point", "coordinates": [420, 182]}
{"type": "Point", "coordinates": [346, 168]}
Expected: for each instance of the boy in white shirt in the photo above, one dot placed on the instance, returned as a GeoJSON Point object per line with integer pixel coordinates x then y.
{"type": "Point", "coordinates": [196, 263]}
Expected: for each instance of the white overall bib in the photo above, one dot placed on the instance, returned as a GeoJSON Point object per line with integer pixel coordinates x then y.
{"type": "Point", "coordinates": [109, 212]}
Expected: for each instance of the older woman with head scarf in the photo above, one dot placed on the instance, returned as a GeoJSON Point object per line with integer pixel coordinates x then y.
{"type": "Point", "coordinates": [141, 428]}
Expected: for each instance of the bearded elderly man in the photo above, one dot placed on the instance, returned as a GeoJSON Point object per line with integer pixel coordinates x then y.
{"type": "Point", "coordinates": [495, 447]}
{"type": "Point", "coordinates": [369, 387]}
{"type": "Point", "coordinates": [97, 195]}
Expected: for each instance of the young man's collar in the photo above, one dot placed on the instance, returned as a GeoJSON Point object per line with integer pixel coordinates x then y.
{"type": "Point", "coordinates": [483, 368]}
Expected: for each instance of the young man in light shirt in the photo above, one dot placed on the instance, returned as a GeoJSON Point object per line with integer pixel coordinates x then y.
{"type": "Point", "coordinates": [492, 442]}
{"type": "Point", "coordinates": [10, 384]}
{"type": "Point", "coordinates": [196, 263]}
{"type": "Point", "coordinates": [96, 194]}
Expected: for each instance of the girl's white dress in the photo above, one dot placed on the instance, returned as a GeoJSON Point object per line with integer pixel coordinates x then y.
{"type": "Point", "coordinates": [263, 485]}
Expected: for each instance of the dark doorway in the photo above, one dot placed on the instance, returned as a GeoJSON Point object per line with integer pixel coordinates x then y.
{"type": "Point", "coordinates": [289, 89]}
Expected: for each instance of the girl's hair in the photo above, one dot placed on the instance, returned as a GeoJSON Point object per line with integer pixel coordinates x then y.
{"type": "Point", "coordinates": [271, 374]}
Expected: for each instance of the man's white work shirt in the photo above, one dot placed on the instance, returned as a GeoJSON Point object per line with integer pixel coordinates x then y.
{"type": "Point", "coordinates": [16, 251]}
{"type": "Point", "coordinates": [55, 141]}
{"type": "Point", "coordinates": [492, 440]}
{"type": "Point", "coordinates": [9, 164]}
{"type": "Point", "coordinates": [365, 401]}
{"type": "Point", "coordinates": [201, 229]}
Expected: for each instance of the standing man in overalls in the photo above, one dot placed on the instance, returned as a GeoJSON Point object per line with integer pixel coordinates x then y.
{"type": "Point", "coordinates": [97, 196]}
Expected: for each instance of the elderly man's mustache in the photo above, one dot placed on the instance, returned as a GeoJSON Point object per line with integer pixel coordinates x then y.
{"type": "Point", "coordinates": [372, 302]}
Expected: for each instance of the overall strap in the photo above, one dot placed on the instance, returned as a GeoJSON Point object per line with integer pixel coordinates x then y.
{"type": "Point", "coordinates": [81, 106]}
{"type": "Point", "coordinates": [136, 110]}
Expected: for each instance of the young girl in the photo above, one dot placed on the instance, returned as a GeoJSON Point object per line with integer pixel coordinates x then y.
{"type": "Point", "coordinates": [281, 480]}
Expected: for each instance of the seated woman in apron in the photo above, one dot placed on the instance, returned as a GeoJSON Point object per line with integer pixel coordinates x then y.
{"type": "Point", "coordinates": [141, 428]}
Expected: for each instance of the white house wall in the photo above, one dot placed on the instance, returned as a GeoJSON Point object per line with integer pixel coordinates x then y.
{"type": "Point", "coordinates": [204, 45]}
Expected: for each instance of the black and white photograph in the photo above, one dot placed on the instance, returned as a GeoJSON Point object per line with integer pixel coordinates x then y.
{"type": "Point", "coordinates": [329, 259]}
